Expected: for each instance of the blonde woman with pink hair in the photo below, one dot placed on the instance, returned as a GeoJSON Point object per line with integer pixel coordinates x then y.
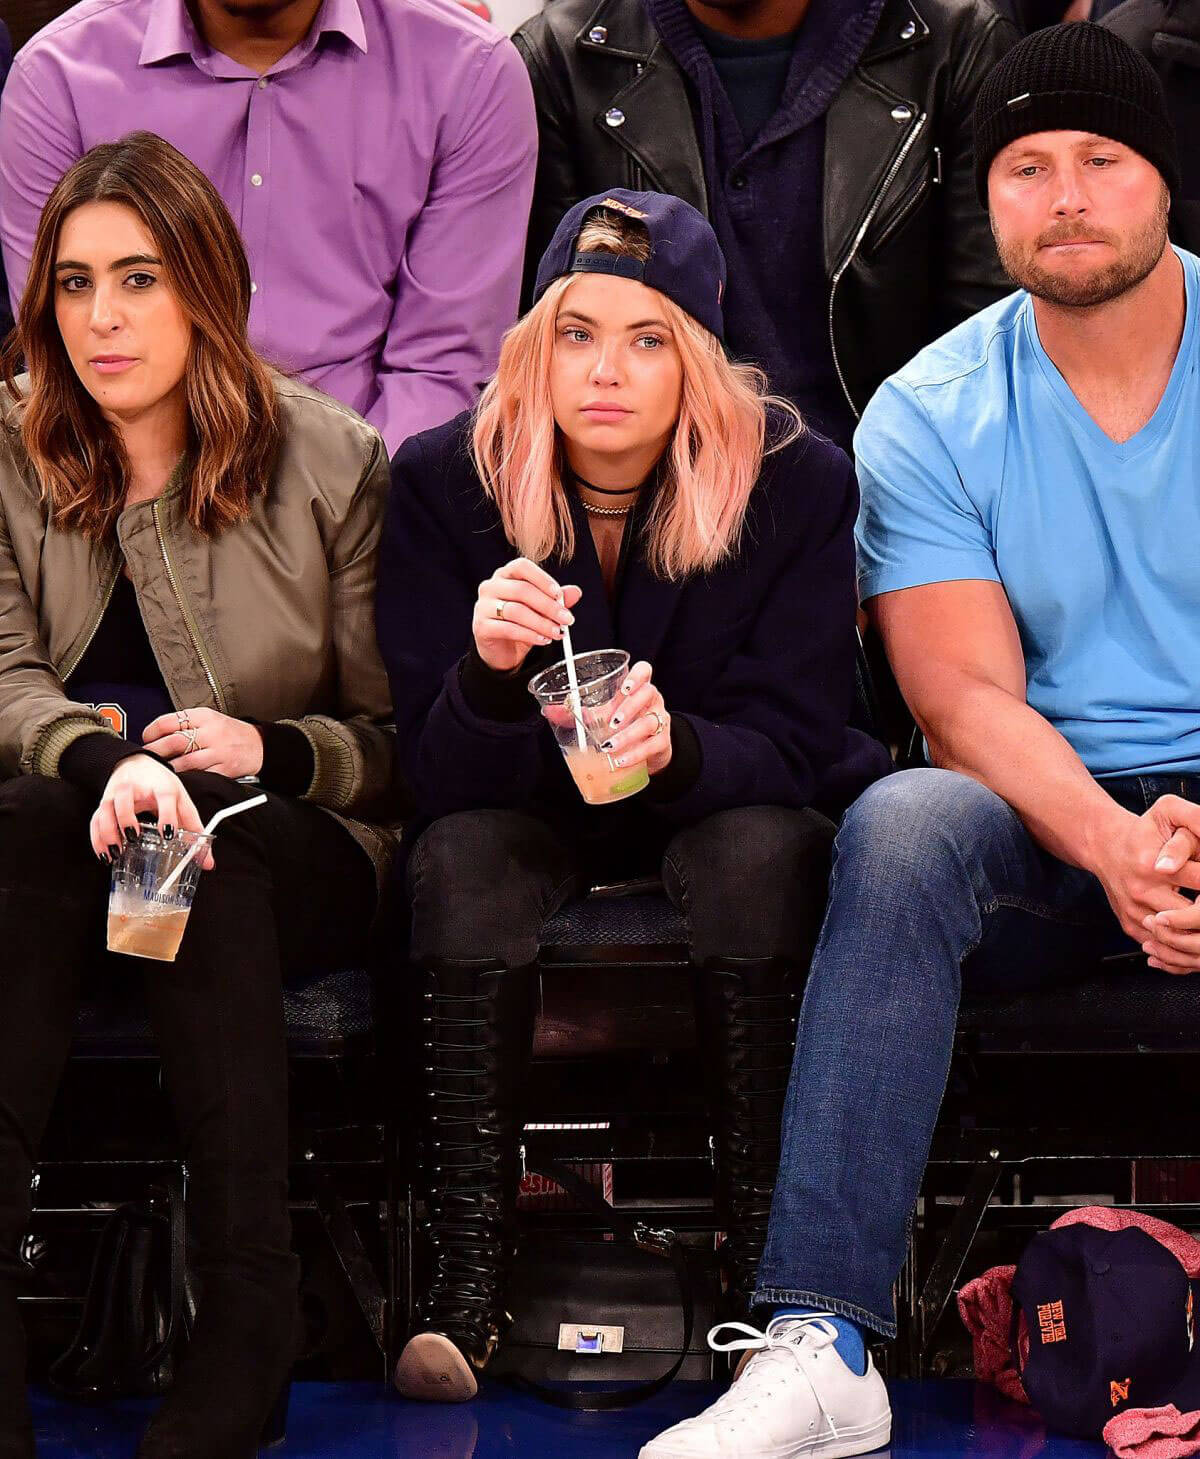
{"type": "Point", "coordinates": [622, 478]}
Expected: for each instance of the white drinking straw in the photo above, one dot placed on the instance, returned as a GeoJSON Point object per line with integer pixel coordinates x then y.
{"type": "Point", "coordinates": [573, 681]}
{"type": "Point", "coordinates": [230, 810]}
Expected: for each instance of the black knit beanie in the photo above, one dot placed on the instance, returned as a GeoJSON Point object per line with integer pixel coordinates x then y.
{"type": "Point", "coordinates": [1076, 78]}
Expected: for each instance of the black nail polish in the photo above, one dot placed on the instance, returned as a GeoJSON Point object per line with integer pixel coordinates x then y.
{"type": "Point", "coordinates": [606, 746]}
{"type": "Point", "coordinates": [131, 833]}
{"type": "Point", "coordinates": [114, 852]}
{"type": "Point", "coordinates": [168, 833]}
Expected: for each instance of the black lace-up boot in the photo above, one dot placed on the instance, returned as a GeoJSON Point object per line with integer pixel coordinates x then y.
{"type": "Point", "coordinates": [477, 1035]}
{"type": "Point", "coordinates": [747, 1014]}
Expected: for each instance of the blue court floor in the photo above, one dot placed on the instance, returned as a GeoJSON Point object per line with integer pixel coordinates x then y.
{"type": "Point", "coordinates": [364, 1421]}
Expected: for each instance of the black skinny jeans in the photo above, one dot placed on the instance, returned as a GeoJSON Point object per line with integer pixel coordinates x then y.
{"type": "Point", "coordinates": [751, 882]}
{"type": "Point", "coordinates": [291, 892]}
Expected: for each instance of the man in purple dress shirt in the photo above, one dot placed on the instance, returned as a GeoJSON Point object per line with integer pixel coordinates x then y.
{"type": "Point", "coordinates": [378, 156]}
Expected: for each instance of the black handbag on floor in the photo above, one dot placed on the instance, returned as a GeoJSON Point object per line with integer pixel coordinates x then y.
{"type": "Point", "coordinates": [608, 1280]}
{"type": "Point", "coordinates": [138, 1309]}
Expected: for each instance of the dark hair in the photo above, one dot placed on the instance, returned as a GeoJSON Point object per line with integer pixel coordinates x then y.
{"type": "Point", "coordinates": [234, 428]}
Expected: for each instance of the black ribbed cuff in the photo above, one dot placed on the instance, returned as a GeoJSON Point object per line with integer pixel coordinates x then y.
{"type": "Point", "coordinates": [684, 770]}
{"type": "Point", "coordinates": [91, 760]}
{"type": "Point", "coordinates": [490, 695]}
{"type": "Point", "coordinates": [289, 764]}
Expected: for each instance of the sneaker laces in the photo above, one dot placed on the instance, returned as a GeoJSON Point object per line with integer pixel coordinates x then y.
{"type": "Point", "coordinates": [791, 1337]}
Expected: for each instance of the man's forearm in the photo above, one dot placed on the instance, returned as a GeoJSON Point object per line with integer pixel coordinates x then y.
{"type": "Point", "coordinates": [1000, 741]}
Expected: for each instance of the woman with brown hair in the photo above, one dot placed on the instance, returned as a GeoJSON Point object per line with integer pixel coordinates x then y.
{"type": "Point", "coordinates": [187, 565]}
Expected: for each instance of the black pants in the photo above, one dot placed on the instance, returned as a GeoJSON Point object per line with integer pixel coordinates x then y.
{"type": "Point", "coordinates": [291, 891]}
{"type": "Point", "coordinates": [751, 882]}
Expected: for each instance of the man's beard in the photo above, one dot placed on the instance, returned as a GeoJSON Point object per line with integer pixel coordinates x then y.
{"type": "Point", "coordinates": [1136, 262]}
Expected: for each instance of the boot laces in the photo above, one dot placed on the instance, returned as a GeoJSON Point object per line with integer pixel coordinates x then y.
{"type": "Point", "coordinates": [780, 1351]}
{"type": "Point", "coordinates": [465, 1180]}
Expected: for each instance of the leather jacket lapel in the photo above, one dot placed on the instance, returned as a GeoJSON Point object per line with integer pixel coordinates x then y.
{"type": "Point", "coordinates": [901, 26]}
{"type": "Point", "coordinates": [671, 161]}
{"type": "Point", "coordinates": [632, 115]}
{"type": "Point", "coordinates": [870, 117]}
{"type": "Point", "coordinates": [616, 29]}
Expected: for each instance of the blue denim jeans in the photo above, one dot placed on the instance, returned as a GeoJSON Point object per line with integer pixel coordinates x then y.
{"type": "Point", "coordinates": [937, 886]}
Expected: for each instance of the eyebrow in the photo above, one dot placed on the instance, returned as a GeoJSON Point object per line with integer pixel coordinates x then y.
{"type": "Point", "coordinates": [641, 324]}
{"type": "Point", "coordinates": [70, 263]}
{"type": "Point", "coordinates": [1093, 139]}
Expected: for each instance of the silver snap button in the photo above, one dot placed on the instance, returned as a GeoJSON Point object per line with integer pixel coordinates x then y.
{"type": "Point", "coordinates": [902, 113]}
{"type": "Point", "coordinates": [615, 117]}
{"type": "Point", "coordinates": [909, 31]}
{"type": "Point", "coordinates": [598, 34]}
{"type": "Point", "coordinates": [256, 177]}
{"type": "Point", "coordinates": [262, 83]}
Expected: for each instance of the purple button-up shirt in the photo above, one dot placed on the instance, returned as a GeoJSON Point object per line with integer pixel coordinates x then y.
{"type": "Point", "coordinates": [381, 175]}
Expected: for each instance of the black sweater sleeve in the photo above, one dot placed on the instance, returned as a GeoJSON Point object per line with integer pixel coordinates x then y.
{"type": "Point", "coordinates": [91, 760]}
{"type": "Point", "coordinates": [288, 763]}
{"type": "Point", "coordinates": [287, 769]}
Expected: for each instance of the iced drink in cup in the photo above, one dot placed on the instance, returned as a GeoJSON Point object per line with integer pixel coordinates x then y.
{"type": "Point", "coordinates": [142, 920]}
{"type": "Point", "coordinates": [600, 675]}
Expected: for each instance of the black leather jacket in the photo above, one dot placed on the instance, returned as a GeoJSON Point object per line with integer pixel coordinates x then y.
{"type": "Point", "coordinates": [1168, 35]}
{"type": "Point", "coordinates": [908, 250]}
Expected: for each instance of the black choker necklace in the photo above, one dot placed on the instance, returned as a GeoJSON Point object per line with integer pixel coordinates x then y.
{"type": "Point", "coordinates": [604, 490]}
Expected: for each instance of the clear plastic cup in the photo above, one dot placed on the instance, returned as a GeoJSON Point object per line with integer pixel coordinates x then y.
{"type": "Point", "coordinates": [600, 675]}
{"type": "Point", "coordinates": [141, 920]}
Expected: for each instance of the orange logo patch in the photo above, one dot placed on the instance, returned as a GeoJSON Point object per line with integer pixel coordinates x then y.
{"type": "Point", "coordinates": [113, 714]}
{"type": "Point", "coordinates": [1050, 1322]}
{"type": "Point", "coordinates": [1119, 1392]}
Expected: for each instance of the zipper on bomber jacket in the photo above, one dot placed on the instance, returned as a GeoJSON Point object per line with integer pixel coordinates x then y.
{"type": "Point", "coordinates": [66, 670]}
{"type": "Point", "coordinates": [897, 163]}
{"type": "Point", "coordinates": [189, 621]}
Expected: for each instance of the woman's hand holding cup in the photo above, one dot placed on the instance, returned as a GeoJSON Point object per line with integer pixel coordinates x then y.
{"type": "Point", "coordinates": [520, 607]}
{"type": "Point", "coordinates": [141, 783]}
{"type": "Point", "coordinates": [640, 723]}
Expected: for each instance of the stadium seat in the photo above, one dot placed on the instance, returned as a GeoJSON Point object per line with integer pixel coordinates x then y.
{"type": "Point", "coordinates": [111, 1134]}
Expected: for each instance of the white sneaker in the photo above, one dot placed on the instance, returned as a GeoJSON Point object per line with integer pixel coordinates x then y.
{"type": "Point", "coordinates": [796, 1397]}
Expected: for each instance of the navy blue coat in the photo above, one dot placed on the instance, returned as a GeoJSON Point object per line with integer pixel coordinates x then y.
{"type": "Point", "coordinates": [756, 656]}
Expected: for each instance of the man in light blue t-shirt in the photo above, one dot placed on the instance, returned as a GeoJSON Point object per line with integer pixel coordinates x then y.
{"type": "Point", "coordinates": [1028, 550]}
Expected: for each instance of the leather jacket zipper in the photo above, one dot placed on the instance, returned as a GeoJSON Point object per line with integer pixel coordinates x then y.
{"type": "Point", "coordinates": [897, 163]}
{"type": "Point", "coordinates": [189, 621]}
{"type": "Point", "coordinates": [66, 670]}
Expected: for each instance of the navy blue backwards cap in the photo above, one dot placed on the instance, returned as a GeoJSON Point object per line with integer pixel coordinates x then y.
{"type": "Point", "coordinates": [686, 263]}
{"type": "Point", "coordinates": [1110, 1321]}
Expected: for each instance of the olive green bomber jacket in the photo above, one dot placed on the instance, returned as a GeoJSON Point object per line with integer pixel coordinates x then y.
{"type": "Point", "coordinates": [271, 620]}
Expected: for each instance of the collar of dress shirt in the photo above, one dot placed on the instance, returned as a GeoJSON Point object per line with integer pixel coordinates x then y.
{"type": "Point", "coordinates": [170, 32]}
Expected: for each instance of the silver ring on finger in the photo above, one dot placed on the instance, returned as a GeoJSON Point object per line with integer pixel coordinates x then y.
{"type": "Point", "coordinates": [185, 722]}
{"type": "Point", "coordinates": [189, 734]}
{"type": "Point", "coordinates": [660, 722]}
{"type": "Point", "coordinates": [500, 608]}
